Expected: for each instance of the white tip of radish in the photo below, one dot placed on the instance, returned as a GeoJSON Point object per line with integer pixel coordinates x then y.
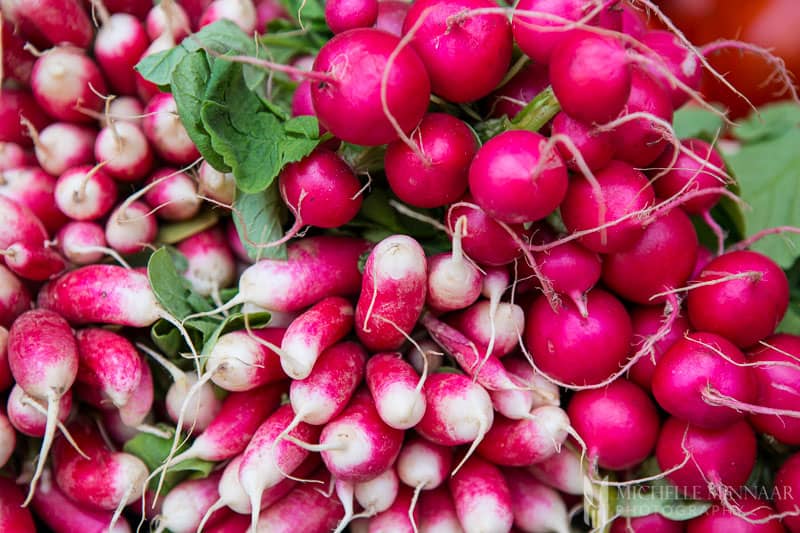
{"type": "Point", "coordinates": [241, 12]}
{"type": "Point", "coordinates": [219, 186]}
{"type": "Point", "coordinates": [401, 407]}
{"type": "Point", "coordinates": [399, 258]}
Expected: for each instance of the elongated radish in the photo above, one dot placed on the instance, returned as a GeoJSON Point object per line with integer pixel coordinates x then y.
{"type": "Point", "coordinates": [43, 357]}
{"type": "Point", "coordinates": [423, 466]}
{"type": "Point", "coordinates": [19, 224]}
{"type": "Point", "coordinates": [29, 415]}
{"type": "Point", "coordinates": [377, 494]}
{"type": "Point", "coordinates": [481, 497]}
{"type": "Point", "coordinates": [562, 471]}
{"type": "Point", "coordinates": [140, 402]}
{"type": "Point", "coordinates": [33, 261]}
{"type": "Point", "coordinates": [242, 361]}
{"type": "Point", "coordinates": [312, 332]}
{"type": "Point", "coordinates": [123, 147]}
{"type": "Point", "coordinates": [400, 517]}
{"type": "Point", "coordinates": [211, 263]}
{"type": "Point", "coordinates": [453, 281]}
{"type": "Point", "coordinates": [527, 441]}
{"type": "Point", "coordinates": [186, 504]}
{"type": "Point", "coordinates": [109, 362]}
{"type": "Point", "coordinates": [437, 513]}
{"type": "Point", "coordinates": [85, 193]}
{"type": "Point", "coordinates": [65, 78]}
{"type": "Point", "coordinates": [537, 507]}
{"type": "Point", "coordinates": [496, 333]}
{"type": "Point", "coordinates": [545, 392]}
{"type": "Point", "coordinates": [60, 21]}
{"type": "Point", "coordinates": [33, 188]}
{"type": "Point", "coordinates": [14, 298]}
{"type": "Point", "coordinates": [396, 389]}
{"type": "Point", "coordinates": [130, 228]}
{"type": "Point", "coordinates": [426, 354]}
{"type": "Point", "coordinates": [119, 44]}
{"type": "Point", "coordinates": [305, 508]}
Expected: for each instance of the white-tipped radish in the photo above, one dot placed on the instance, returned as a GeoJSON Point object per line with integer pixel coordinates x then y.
{"type": "Point", "coordinates": [170, 18]}
{"type": "Point", "coordinates": [120, 42]}
{"type": "Point", "coordinates": [453, 282]}
{"type": "Point", "coordinates": [537, 507]}
{"type": "Point", "coordinates": [61, 146]}
{"type": "Point", "coordinates": [173, 194]}
{"type": "Point", "coordinates": [85, 193]}
{"type": "Point", "coordinates": [241, 12]}
{"type": "Point", "coordinates": [481, 496]}
{"type": "Point", "coordinates": [163, 128]}
{"type": "Point", "coordinates": [242, 361]}
{"type": "Point", "coordinates": [130, 228]}
{"type": "Point", "coordinates": [109, 363]}
{"type": "Point", "coordinates": [124, 149]}
{"type": "Point", "coordinates": [33, 188]}
{"type": "Point", "coordinates": [211, 263]}
{"type": "Point", "coordinates": [526, 441]}
{"type": "Point", "coordinates": [396, 389]}
{"type": "Point", "coordinates": [65, 79]}
{"type": "Point", "coordinates": [219, 186]}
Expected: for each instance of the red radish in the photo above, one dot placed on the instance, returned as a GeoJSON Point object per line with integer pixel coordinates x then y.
{"type": "Point", "coordinates": [537, 36]}
{"type": "Point", "coordinates": [130, 228]}
{"type": "Point", "coordinates": [343, 15]}
{"type": "Point", "coordinates": [700, 169]}
{"type": "Point", "coordinates": [14, 517]}
{"type": "Point", "coordinates": [218, 186]}
{"type": "Point", "coordinates": [536, 506]}
{"type": "Point", "coordinates": [572, 270]}
{"type": "Point", "coordinates": [787, 488]}
{"type": "Point", "coordinates": [15, 104]}
{"type": "Point", "coordinates": [6, 379]}
{"type": "Point", "coordinates": [396, 390]}
{"type": "Point", "coordinates": [482, 498]}
{"type": "Point", "coordinates": [123, 148]}
{"type": "Point", "coordinates": [8, 441]}
{"type": "Point", "coordinates": [435, 174]}
{"type": "Point", "coordinates": [12, 155]}
{"type": "Point", "coordinates": [82, 243]}
{"type": "Point", "coordinates": [647, 328]}
{"type": "Point", "coordinates": [17, 61]}
{"type": "Point", "coordinates": [398, 518]}
{"type": "Point", "coordinates": [33, 262]}
{"type": "Point", "coordinates": [751, 514]}
{"type": "Point", "coordinates": [514, 178]}
{"type": "Point", "coordinates": [704, 463]}
{"type": "Point", "coordinates": [595, 147]}
{"type": "Point", "coordinates": [267, 11]}
{"type": "Point", "coordinates": [626, 191]}
{"type": "Point", "coordinates": [184, 507]}
{"type": "Point", "coordinates": [392, 293]}
{"type": "Point", "coordinates": [163, 128]}
{"type": "Point", "coordinates": [465, 56]}
{"type": "Point", "coordinates": [377, 494]}
{"type": "Point", "coordinates": [526, 441]}
{"type": "Point", "coordinates": [533, 390]}
{"type": "Point", "coordinates": [498, 335]}
{"type": "Point", "coordinates": [29, 415]}
{"type": "Point", "coordinates": [313, 332]}
{"type": "Point", "coordinates": [133, 413]}
{"type": "Point", "coordinates": [778, 381]}
{"type": "Point", "coordinates": [391, 15]}
{"type": "Point", "coordinates": [650, 522]}
{"type": "Point", "coordinates": [145, 89]}
{"type": "Point", "coordinates": [124, 109]}
{"type": "Point", "coordinates": [119, 44]}
{"type": "Point", "coordinates": [211, 263]}
{"type": "Point", "coordinates": [60, 21]}
{"type": "Point", "coordinates": [640, 273]}
{"type": "Point", "coordinates": [61, 146]}
{"type": "Point", "coordinates": [85, 193]}
{"type": "Point", "coordinates": [619, 424]}
{"type": "Point", "coordinates": [321, 190]}
{"type": "Point", "coordinates": [108, 362]}
{"type": "Point", "coordinates": [235, 523]}
{"type": "Point", "coordinates": [749, 293]}
{"type": "Point", "coordinates": [242, 361]}
{"type": "Point", "coordinates": [241, 12]}
{"type": "Point", "coordinates": [423, 465]}
{"type": "Point", "coordinates": [34, 189]}
{"type": "Point", "coordinates": [574, 349]}
{"type": "Point", "coordinates": [458, 411]}
{"type": "Point", "coordinates": [305, 508]}
{"type": "Point", "coordinates": [62, 514]}
{"type": "Point", "coordinates": [509, 99]}
{"type": "Point", "coordinates": [428, 355]}
{"type": "Point", "coordinates": [681, 63]}
{"type": "Point", "coordinates": [486, 240]}
{"type": "Point", "coordinates": [167, 17]}
{"type": "Point", "coordinates": [65, 78]}
{"type": "Point", "coordinates": [173, 194]}
{"type": "Point", "coordinates": [562, 471]}
{"type": "Point", "coordinates": [19, 224]}
{"type": "Point", "coordinates": [365, 102]}
{"type": "Point", "coordinates": [437, 513]}
{"type": "Point", "coordinates": [453, 281]}
{"type": "Point", "coordinates": [43, 357]}
{"type": "Point", "coordinates": [137, 8]}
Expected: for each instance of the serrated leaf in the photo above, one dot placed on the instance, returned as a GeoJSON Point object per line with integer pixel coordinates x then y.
{"type": "Point", "coordinates": [258, 218]}
{"type": "Point", "coordinates": [178, 231]}
{"type": "Point", "coordinates": [697, 122]}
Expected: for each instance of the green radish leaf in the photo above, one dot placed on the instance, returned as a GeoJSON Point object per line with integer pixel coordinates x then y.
{"type": "Point", "coordinates": [157, 68]}
{"type": "Point", "coordinates": [259, 218]}
{"type": "Point", "coordinates": [773, 121]}
{"type": "Point", "coordinates": [166, 338]}
{"type": "Point", "coordinates": [659, 497]}
{"type": "Point", "coordinates": [235, 322]}
{"type": "Point", "coordinates": [697, 122]}
{"type": "Point", "coordinates": [168, 285]}
{"type": "Point", "coordinates": [178, 231]}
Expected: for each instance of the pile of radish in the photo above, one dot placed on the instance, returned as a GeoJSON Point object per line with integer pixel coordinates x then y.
{"type": "Point", "coordinates": [271, 265]}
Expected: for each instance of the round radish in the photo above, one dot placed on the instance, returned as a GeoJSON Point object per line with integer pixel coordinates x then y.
{"type": "Point", "coordinates": [63, 79]}
{"type": "Point", "coordinates": [648, 322]}
{"type": "Point", "coordinates": [85, 193]}
{"type": "Point", "coordinates": [211, 263]}
{"type": "Point", "coordinates": [509, 99]}
{"type": "Point", "coordinates": [124, 149]}
{"type": "Point", "coordinates": [241, 12]}
{"type": "Point", "coordinates": [173, 193]}
{"type": "Point", "coordinates": [163, 127]}
{"type": "Point", "coordinates": [391, 14]}
{"type": "Point", "coordinates": [594, 146]}
{"type": "Point", "coordinates": [130, 228]}
{"type": "Point", "coordinates": [218, 186]}
{"type": "Point", "coordinates": [572, 270]}
{"type": "Point", "coordinates": [777, 377]}
{"type": "Point", "coordinates": [751, 514]}
{"type": "Point", "coordinates": [167, 17]}
{"type": "Point", "coordinates": [33, 188]}
{"type": "Point", "coordinates": [343, 15]}
{"type": "Point", "coordinates": [82, 243]}
{"type": "Point", "coordinates": [61, 146]}
{"type": "Point", "coordinates": [787, 489]}
{"type": "Point", "coordinates": [688, 174]}
{"type": "Point", "coordinates": [680, 62]}
{"type": "Point", "coordinates": [14, 297]}
{"type": "Point", "coordinates": [119, 44]}
{"type": "Point", "coordinates": [486, 241]}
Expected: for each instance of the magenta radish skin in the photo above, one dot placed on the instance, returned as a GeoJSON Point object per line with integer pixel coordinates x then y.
{"type": "Point", "coordinates": [211, 263]}
{"type": "Point", "coordinates": [572, 270]}
{"type": "Point", "coordinates": [174, 194]}
{"type": "Point", "coordinates": [502, 183]}
{"type": "Point", "coordinates": [467, 57]}
{"type": "Point", "coordinates": [320, 513]}
{"type": "Point", "coordinates": [486, 241]}
{"type": "Point", "coordinates": [105, 294]}
{"type": "Point", "coordinates": [778, 386]}
{"type": "Point", "coordinates": [562, 471]}
{"type": "Point", "coordinates": [13, 155]}
{"type": "Point", "coordinates": [241, 12]}
{"type": "Point", "coordinates": [124, 109]}
{"type": "Point", "coordinates": [646, 321]}
{"type": "Point", "coordinates": [422, 463]}
{"type": "Point", "coordinates": [239, 362]}
{"type": "Point", "coordinates": [594, 146]}
{"type": "Point", "coordinates": [131, 227]}
{"type": "Point", "coordinates": [138, 407]}
{"type": "Point", "coordinates": [6, 380]}
{"type": "Point", "coordinates": [317, 267]}
{"type": "Point", "coordinates": [61, 146]}
{"type": "Point", "coordinates": [591, 76]}
{"type": "Point", "coordinates": [61, 21]}
{"type": "Point", "coordinates": [559, 341]}
{"type": "Point", "coordinates": [625, 191]}
{"type": "Point", "coordinates": [125, 150]}
{"type": "Point", "coordinates": [747, 309]}
{"type": "Point", "coordinates": [379, 493]}
{"type": "Point", "coordinates": [164, 129]}
{"type": "Point", "coordinates": [536, 42]}
{"type": "Point", "coordinates": [719, 458]}
{"type": "Point", "coordinates": [119, 44]}
{"type": "Point", "coordinates": [475, 323]}
{"type": "Point", "coordinates": [83, 197]}
{"type": "Point", "coordinates": [458, 410]}
{"type": "Point", "coordinates": [509, 99]}
{"type": "Point", "coordinates": [8, 441]}
{"type": "Point", "coordinates": [396, 518]}
{"type": "Point", "coordinates": [29, 420]}
{"type": "Point", "coordinates": [78, 242]}
{"type": "Point", "coordinates": [679, 61]}
{"type": "Point", "coordinates": [393, 384]}
{"type": "Point", "coordinates": [60, 81]}
{"type": "Point", "coordinates": [688, 371]}
{"type": "Point", "coordinates": [534, 390]}
{"type": "Point", "coordinates": [34, 262]}
{"type": "Point", "coordinates": [618, 423]}
{"type": "Point", "coordinates": [481, 496]}
{"type": "Point", "coordinates": [527, 441]}
{"type": "Point", "coordinates": [14, 297]}
{"type": "Point", "coordinates": [351, 107]}
{"type": "Point", "coordinates": [392, 293]}
{"type": "Point", "coordinates": [449, 145]}
{"type": "Point", "coordinates": [662, 259]}
{"type": "Point", "coordinates": [689, 173]}
{"type": "Point", "coordinates": [170, 18]}
{"type": "Point", "coordinates": [368, 445]}
{"type": "Point", "coordinates": [757, 517]}
{"type": "Point", "coordinates": [453, 282]}
{"type": "Point", "coordinates": [643, 524]}
{"type": "Point", "coordinates": [343, 15]}
{"type": "Point", "coordinates": [536, 506]}
{"type": "Point", "coordinates": [17, 61]}
{"type": "Point", "coordinates": [183, 508]}
{"type": "Point", "coordinates": [14, 104]}
{"type": "Point", "coordinates": [108, 361]}
{"type": "Point", "coordinates": [267, 11]}
{"type": "Point", "coordinates": [19, 224]}
{"type": "Point", "coordinates": [34, 188]}
{"type": "Point", "coordinates": [437, 513]}
{"type": "Point", "coordinates": [14, 517]}
{"type": "Point", "coordinates": [787, 487]}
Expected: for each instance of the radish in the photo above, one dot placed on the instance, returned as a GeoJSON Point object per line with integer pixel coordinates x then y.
{"type": "Point", "coordinates": [704, 463]}
{"type": "Point", "coordinates": [6, 379]}
{"type": "Point", "coordinates": [108, 362]}
{"type": "Point", "coordinates": [681, 62]}
{"type": "Point", "coordinates": [466, 56]}
{"type": "Point", "coordinates": [787, 488]}
{"type": "Point", "coordinates": [33, 188]}
{"type": "Point", "coordinates": [486, 240]}
{"type": "Point", "coordinates": [14, 297]}
{"type": "Point", "coordinates": [63, 79]}
{"type": "Point", "coordinates": [594, 146]}
{"type": "Point", "coordinates": [435, 174]}
{"type": "Point", "coordinates": [43, 357]}
{"type": "Point", "coordinates": [305, 508]}
{"type": "Point", "coordinates": [8, 441]}
{"type": "Point", "coordinates": [218, 186]}
{"type": "Point", "coordinates": [391, 15]}
{"type": "Point", "coordinates": [562, 471]}
{"type": "Point", "coordinates": [83, 243]}
{"type": "Point", "coordinates": [648, 328]}
{"type": "Point", "coordinates": [396, 390]}
{"type": "Point", "coordinates": [184, 507]}
{"type": "Point", "coordinates": [458, 411]}
{"type": "Point", "coordinates": [167, 17]}
{"type": "Point", "coordinates": [399, 517]}
{"type": "Point", "coordinates": [163, 128]}
{"type": "Point", "coordinates": [19, 225]}
{"type": "Point", "coordinates": [241, 12]}
{"type": "Point", "coordinates": [509, 99]}
{"type": "Point", "coordinates": [514, 178]}
{"type": "Point", "coordinates": [130, 228]}
{"type": "Point", "coordinates": [702, 379]}
{"type": "Point", "coordinates": [423, 466]}
{"type": "Point", "coordinates": [60, 21]}
{"type": "Point", "coordinates": [120, 42]}
{"type": "Point", "coordinates": [537, 507]}
{"type": "Point", "coordinates": [29, 416]}
{"type": "Point", "coordinates": [643, 524]}
{"type": "Point", "coordinates": [437, 513]}
{"type": "Point", "coordinates": [211, 263]}
{"type": "Point", "coordinates": [33, 262]}
{"type": "Point", "coordinates": [17, 61]}
{"type": "Point", "coordinates": [268, 11]}
{"type": "Point", "coordinates": [85, 193]}
{"type": "Point", "coordinates": [537, 36]}
{"type": "Point", "coordinates": [533, 390]}
{"type": "Point", "coordinates": [574, 349]}
{"type": "Point", "coordinates": [133, 413]}
{"type": "Point", "coordinates": [481, 497]}
{"type": "Point", "coordinates": [572, 270]}
{"type": "Point", "coordinates": [778, 382]}
{"type": "Point", "coordinates": [313, 332]}
{"type": "Point", "coordinates": [61, 146]}
{"type": "Point", "coordinates": [12, 155]}
{"type": "Point", "coordinates": [619, 424]}
{"type": "Point", "coordinates": [526, 441]}
{"type": "Point", "coordinates": [242, 361]}
{"type": "Point", "coordinates": [426, 354]}
{"type": "Point", "coordinates": [626, 191]}
{"type": "Point", "coordinates": [735, 283]}
{"type": "Point", "coordinates": [453, 281]}
{"type": "Point", "coordinates": [234, 523]}
{"type": "Point", "coordinates": [146, 90]}
{"type": "Point", "coordinates": [749, 514]}
{"type": "Point", "coordinates": [124, 109]}
{"type": "Point", "coordinates": [358, 98]}
{"type": "Point", "coordinates": [377, 494]}
{"type": "Point", "coordinates": [13, 516]}
{"type": "Point", "coordinates": [15, 104]}
{"type": "Point", "coordinates": [496, 335]}
{"type": "Point", "coordinates": [343, 15]}
{"type": "Point", "coordinates": [172, 194]}
{"type": "Point", "coordinates": [392, 293]}
{"type": "Point", "coordinates": [123, 147]}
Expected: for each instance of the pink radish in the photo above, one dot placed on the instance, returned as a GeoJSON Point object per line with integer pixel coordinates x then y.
{"type": "Point", "coordinates": [12, 155]}
{"type": "Point", "coordinates": [437, 513]}
{"type": "Point", "coordinates": [33, 262]}
{"type": "Point", "coordinates": [427, 355]}
{"type": "Point", "coordinates": [8, 441]}
{"type": "Point", "coordinates": [533, 391]}
{"type": "Point", "coordinates": [62, 145]}
{"type": "Point", "coordinates": [526, 441]}
{"type": "Point", "coordinates": [173, 194]}
{"type": "Point", "coordinates": [787, 488]}
{"type": "Point", "coordinates": [562, 471]}
{"type": "Point", "coordinates": [133, 413]}
{"type": "Point", "coordinates": [343, 15]}
{"type": "Point", "coordinates": [681, 62]}
{"type": "Point", "coordinates": [241, 12]}
{"type": "Point", "coordinates": [211, 263]}
{"type": "Point", "coordinates": [643, 524]}
{"type": "Point", "coordinates": [130, 228]}
{"type": "Point", "coordinates": [453, 281]}
{"type": "Point", "coordinates": [536, 506]}
{"type": "Point", "coordinates": [43, 357]}
{"type": "Point", "coordinates": [65, 78]}
{"type": "Point", "coordinates": [19, 225]}
{"type": "Point", "coordinates": [124, 109]}
{"type": "Point", "coordinates": [17, 62]}
{"type": "Point", "coordinates": [84, 243]}
{"type": "Point", "coordinates": [13, 516]}
{"type": "Point", "coordinates": [14, 297]}
{"type": "Point", "coordinates": [396, 389]}
{"type": "Point", "coordinates": [482, 498]}
{"type": "Point", "coordinates": [377, 494]}
{"type": "Point", "coordinates": [15, 104]}
{"type": "Point", "coordinates": [109, 362]}
{"type": "Point", "coordinates": [498, 334]}
{"type": "Point", "coordinates": [119, 44]}
{"type": "Point", "coordinates": [312, 332]}
{"type": "Point", "coordinates": [267, 11]}
{"type": "Point", "coordinates": [6, 379]}
{"type": "Point", "coordinates": [218, 186]}
{"type": "Point", "coordinates": [235, 523]}
{"type": "Point", "coordinates": [778, 381]}
{"type": "Point", "coordinates": [168, 17]}
{"type": "Point", "coordinates": [399, 517]}
{"type": "Point", "coordinates": [594, 146]}
{"type": "Point", "coordinates": [85, 193]}
{"type": "Point", "coordinates": [123, 147]}
{"type": "Point", "coordinates": [145, 89]}
{"type": "Point", "coordinates": [163, 128]}
{"type": "Point", "coordinates": [648, 322]}
{"type": "Point", "coordinates": [60, 21]}
{"type": "Point", "coordinates": [29, 415]}
{"type": "Point", "coordinates": [320, 513]}
{"type": "Point", "coordinates": [186, 504]}
{"type": "Point", "coordinates": [392, 293]}
{"type": "Point", "coordinates": [486, 240]}
{"type": "Point", "coordinates": [509, 99]}
{"type": "Point", "coordinates": [34, 189]}
{"type": "Point", "coordinates": [242, 361]}
{"type": "Point", "coordinates": [423, 466]}
{"type": "Point", "coordinates": [391, 14]}
{"type": "Point", "coordinates": [572, 270]}
{"type": "Point", "coordinates": [750, 514]}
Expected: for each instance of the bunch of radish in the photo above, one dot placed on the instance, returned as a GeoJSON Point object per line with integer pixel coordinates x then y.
{"type": "Point", "coordinates": [551, 330]}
